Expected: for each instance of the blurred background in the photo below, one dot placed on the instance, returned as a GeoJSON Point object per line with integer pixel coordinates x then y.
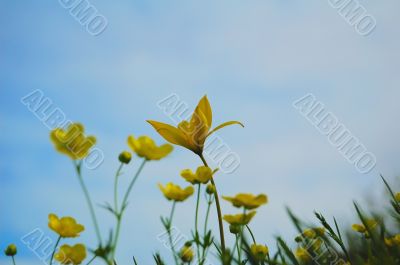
{"type": "Point", "coordinates": [252, 59]}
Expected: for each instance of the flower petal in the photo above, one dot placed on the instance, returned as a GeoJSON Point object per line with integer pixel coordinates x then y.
{"type": "Point", "coordinates": [204, 107]}
{"type": "Point", "coordinates": [224, 125]}
{"type": "Point", "coordinates": [169, 133]}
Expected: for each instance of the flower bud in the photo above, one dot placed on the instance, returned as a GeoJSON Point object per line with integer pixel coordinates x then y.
{"type": "Point", "coordinates": [125, 157]}
{"type": "Point", "coordinates": [210, 189]}
{"type": "Point", "coordinates": [11, 250]}
{"type": "Point", "coordinates": [186, 254]}
{"type": "Point", "coordinates": [235, 229]}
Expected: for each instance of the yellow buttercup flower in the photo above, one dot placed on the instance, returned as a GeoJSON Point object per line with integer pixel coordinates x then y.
{"type": "Point", "coordinates": [72, 141]}
{"type": "Point", "coordinates": [393, 241]}
{"type": "Point", "coordinates": [239, 219]}
{"type": "Point", "coordinates": [313, 232]}
{"type": "Point", "coordinates": [71, 254]}
{"type": "Point", "coordinates": [303, 255]}
{"type": "Point", "coordinates": [247, 200]}
{"type": "Point", "coordinates": [191, 134]}
{"type": "Point", "coordinates": [65, 227]}
{"type": "Point", "coordinates": [186, 254]}
{"type": "Point", "coordinates": [145, 147]}
{"type": "Point", "coordinates": [362, 229]}
{"type": "Point", "coordinates": [259, 252]}
{"type": "Point", "coordinates": [203, 174]}
{"type": "Point", "coordinates": [176, 193]}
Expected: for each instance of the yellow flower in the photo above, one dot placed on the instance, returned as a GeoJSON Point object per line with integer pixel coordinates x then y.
{"type": "Point", "coordinates": [72, 141]}
{"type": "Point", "coordinates": [259, 252]}
{"type": "Point", "coordinates": [71, 254]}
{"type": "Point", "coordinates": [313, 232]}
{"type": "Point", "coordinates": [65, 227]}
{"type": "Point", "coordinates": [360, 228]}
{"type": "Point", "coordinates": [175, 193]}
{"type": "Point", "coordinates": [393, 241]}
{"type": "Point", "coordinates": [239, 219]}
{"type": "Point", "coordinates": [303, 255]}
{"type": "Point", "coordinates": [191, 134]}
{"type": "Point", "coordinates": [247, 200]}
{"type": "Point", "coordinates": [203, 175]}
{"type": "Point", "coordinates": [145, 147]}
{"type": "Point", "coordinates": [397, 197]}
{"type": "Point", "coordinates": [186, 254]}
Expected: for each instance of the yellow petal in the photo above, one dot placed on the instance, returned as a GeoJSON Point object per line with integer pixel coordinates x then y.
{"type": "Point", "coordinates": [224, 125]}
{"type": "Point", "coordinates": [169, 133]}
{"type": "Point", "coordinates": [204, 107]}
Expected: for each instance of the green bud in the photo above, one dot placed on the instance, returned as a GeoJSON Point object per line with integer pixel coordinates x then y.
{"type": "Point", "coordinates": [188, 243]}
{"type": "Point", "coordinates": [125, 157]}
{"type": "Point", "coordinates": [235, 229]}
{"type": "Point", "coordinates": [210, 189]}
{"type": "Point", "coordinates": [11, 250]}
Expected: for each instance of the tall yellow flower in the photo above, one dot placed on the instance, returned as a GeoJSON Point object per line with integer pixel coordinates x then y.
{"type": "Point", "coordinates": [175, 193]}
{"type": "Point", "coordinates": [303, 255]}
{"type": "Point", "coordinates": [65, 226]}
{"type": "Point", "coordinates": [71, 254]}
{"type": "Point", "coordinates": [362, 229]}
{"type": "Point", "coordinates": [239, 219]}
{"type": "Point", "coordinates": [247, 200]}
{"type": "Point", "coordinates": [191, 134]}
{"type": "Point", "coordinates": [203, 175]}
{"type": "Point", "coordinates": [145, 147]}
{"type": "Point", "coordinates": [72, 141]}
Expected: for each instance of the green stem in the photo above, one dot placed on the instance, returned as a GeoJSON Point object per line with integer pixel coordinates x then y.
{"type": "Point", "coordinates": [123, 205]}
{"type": "Point", "coordinates": [196, 223]}
{"type": "Point", "coordinates": [251, 234]}
{"type": "Point", "coordinates": [92, 259]}
{"type": "Point", "coordinates": [169, 233]}
{"type": "Point", "coordinates": [203, 255]}
{"type": "Point", "coordinates": [116, 186]}
{"type": "Point", "coordinates": [238, 247]}
{"type": "Point", "coordinates": [54, 250]}
{"type": "Point", "coordinates": [88, 200]}
{"type": "Point", "coordinates": [13, 259]}
{"type": "Point", "coordinates": [219, 212]}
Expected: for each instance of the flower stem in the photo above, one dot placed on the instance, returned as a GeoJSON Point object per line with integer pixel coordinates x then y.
{"type": "Point", "coordinates": [209, 202]}
{"type": "Point", "coordinates": [88, 200]}
{"type": "Point", "coordinates": [54, 250]}
{"type": "Point", "coordinates": [219, 212]}
{"type": "Point", "coordinates": [196, 223]}
{"type": "Point", "coordinates": [92, 259]}
{"type": "Point", "coordinates": [13, 259]}
{"type": "Point", "coordinates": [169, 232]}
{"type": "Point", "coordinates": [116, 187]}
{"type": "Point", "coordinates": [251, 234]}
{"type": "Point", "coordinates": [123, 205]}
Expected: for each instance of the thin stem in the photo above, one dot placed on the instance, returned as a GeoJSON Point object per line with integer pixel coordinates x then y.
{"type": "Point", "coordinates": [13, 259]}
{"type": "Point", "coordinates": [251, 234]}
{"type": "Point", "coordinates": [209, 202]}
{"type": "Point", "coordinates": [92, 259]}
{"type": "Point", "coordinates": [238, 247]}
{"type": "Point", "coordinates": [54, 250]}
{"type": "Point", "coordinates": [116, 186]}
{"type": "Point", "coordinates": [169, 232]}
{"type": "Point", "coordinates": [88, 200]}
{"type": "Point", "coordinates": [219, 212]}
{"type": "Point", "coordinates": [132, 183]}
{"type": "Point", "coordinates": [196, 223]}
{"type": "Point", "coordinates": [123, 205]}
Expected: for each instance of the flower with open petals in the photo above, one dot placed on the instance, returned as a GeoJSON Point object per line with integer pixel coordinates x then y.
{"type": "Point", "coordinates": [247, 200]}
{"type": "Point", "coordinates": [175, 193]}
{"type": "Point", "coordinates": [145, 147]}
{"type": "Point", "coordinates": [259, 252]}
{"type": "Point", "coordinates": [361, 227]}
{"type": "Point", "coordinates": [191, 134]}
{"type": "Point", "coordinates": [72, 142]}
{"type": "Point", "coordinates": [65, 226]}
{"type": "Point", "coordinates": [239, 219]}
{"type": "Point", "coordinates": [71, 254]}
{"type": "Point", "coordinates": [203, 175]}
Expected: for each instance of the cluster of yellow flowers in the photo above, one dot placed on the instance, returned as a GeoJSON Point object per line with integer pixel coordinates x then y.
{"type": "Point", "coordinates": [67, 227]}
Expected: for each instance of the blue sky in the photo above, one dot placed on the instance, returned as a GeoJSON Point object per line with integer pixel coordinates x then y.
{"type": "Point", "coordinates": [252, 59]}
